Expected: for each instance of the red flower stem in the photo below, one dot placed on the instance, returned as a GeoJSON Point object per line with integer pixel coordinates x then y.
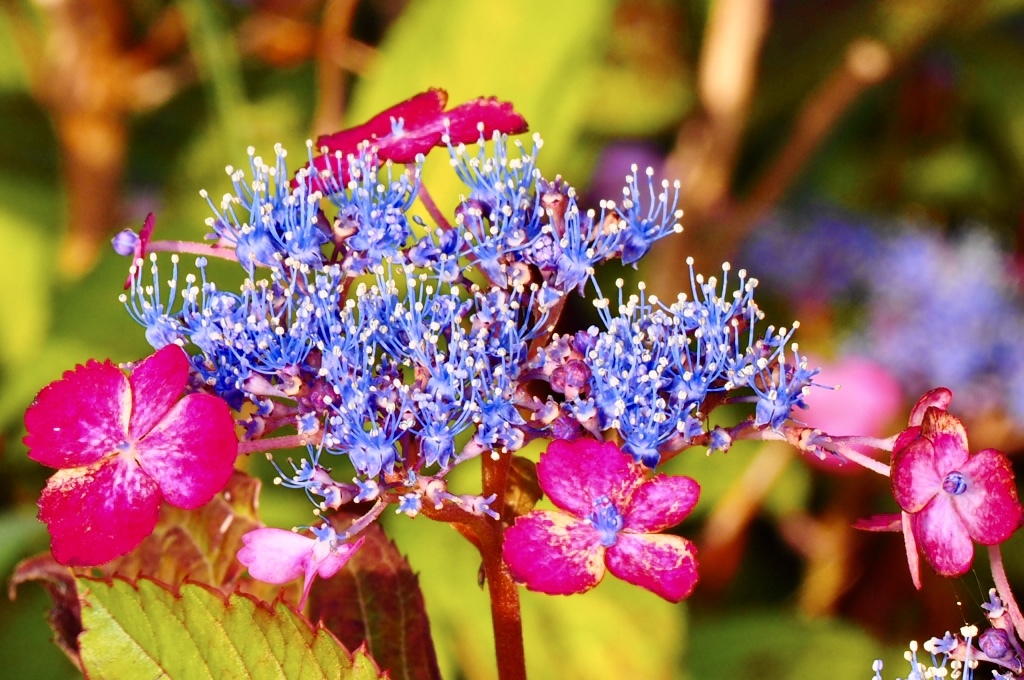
{"type": "Point", "coordinates": [191, 248]}
{"type": "Point", "coordinates": [487, 534]}
{"type": "Point", "coordinates": [1003, 588]}
{"type": "Point", "coordinates": [506, 617]}
{"type": "Point", "coordinates": [432, 209]}
{"type": "Point", "coordinates": [290, 441]}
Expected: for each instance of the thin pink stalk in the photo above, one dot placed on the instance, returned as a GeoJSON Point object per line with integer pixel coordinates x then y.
{"type": "Point", "coordinates": [1003, 588]}
{"type": "Point", "coordinates": [201, 249]}
{"type": "Point", "coordinates": [290, 441]}
{"type": "Point", "coordinates": [432, 209]}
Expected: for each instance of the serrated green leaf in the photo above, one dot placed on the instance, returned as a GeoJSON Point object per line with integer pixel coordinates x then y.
{"type": "Point", "coordinates": [147, 630]}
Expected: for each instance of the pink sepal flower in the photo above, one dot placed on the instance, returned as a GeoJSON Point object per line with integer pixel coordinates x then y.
{"type": "Point", "coordinates": [414, 127]}
{"type": "Point", "coordinates": [121, 445]}
{"type": "Point", "coordinates": [950, 499]}
{"type": "Point", "coordinates": [418, 124]}
{"type": "Point", "coordinates": [278, 556]}
{"type": "Point", "coordinates": [609, 519]}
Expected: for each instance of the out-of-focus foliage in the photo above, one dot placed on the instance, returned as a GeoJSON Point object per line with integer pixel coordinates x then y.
{"type": "Point", "coordinates": [897, 108]}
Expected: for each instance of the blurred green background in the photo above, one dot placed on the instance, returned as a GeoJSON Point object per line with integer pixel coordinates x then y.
{"type": "Point", "coordinates": [894, 108]}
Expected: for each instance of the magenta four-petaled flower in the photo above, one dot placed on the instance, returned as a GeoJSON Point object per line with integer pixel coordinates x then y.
{"type": "Point", "coordinates": [609, 515]}
{"type": "Point", "coordinates": [950, 499]}
{"type": "Point", "coordinates": [121, 445]}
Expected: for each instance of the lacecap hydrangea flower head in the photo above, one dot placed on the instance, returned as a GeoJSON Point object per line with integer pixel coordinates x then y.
{"type": "Point", "coordinates": [391, 344]}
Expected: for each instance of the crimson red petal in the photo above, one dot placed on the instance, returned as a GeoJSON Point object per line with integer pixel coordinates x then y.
{"type": "Point", "coordinates": [989, 507]}
{"type": "Point", "coordinates": [942, 537]}
{"type": "Point", "coordinates": [419, 124]}
{"type": "Point", "coordinates": [551, 552]}
{"type": "Point", "coordinates": [939, 398]}
{"type": "Point", "coordinates": [576, 473]}
{"type": "Point", "coordinates": [192, 451]}
{"type": "Point", "coordinates": [483, 116]}
{"type": "Point", "coordinates": [156, 384]}
{"type": "Point", "coordinates": [423, 109]}
{"type": "Point", "coordinates": [99, 513]}
{"type": "Point", "coordinates": [661, 502]}
{"type": "Point", "coordinates": [663, 564]}
{"type": "Point", "coordinates": [914, 479]}
{"type": "Point", "coordinates": [80, 418]}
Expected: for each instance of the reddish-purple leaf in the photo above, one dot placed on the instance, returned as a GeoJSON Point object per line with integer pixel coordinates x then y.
{"type": "Point", "coordinates": [65, 616]}
{"type": "Point", "coordinates": [376, 599]}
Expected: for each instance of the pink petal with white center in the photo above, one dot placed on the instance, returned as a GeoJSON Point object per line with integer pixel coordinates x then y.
{"type": "Point", "coordinates": [156, 384]}
{"type": "Point", "coordinates": [80, 418]}
{"type": "Point", "coordinates": [275, 555]}
{"type": "Point", "coordinates": [664, 564]}
{"type": "Point", "coordinates": [192, 451]}
{"type": "Point", "coordinates": [989, 507]}
{"type": "Point", "coordinates": [99, 513]}
{"type": "Point", "coordinates": [942, 537]}
{"type": "Point", "coordinates": [914, 478]}
{"type": "Point", "coordinates": [574, 474]}
{"type": "Point", "coordinates": [939, 398]}
{"type": "Point", "coordinates": [660, 503]}
{"type": "Point", "coordinates": [948, 438]}
{"type": "Point", "coordinates": [551, 552]}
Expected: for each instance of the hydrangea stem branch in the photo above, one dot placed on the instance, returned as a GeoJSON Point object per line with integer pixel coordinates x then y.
{"type": "Point", "coordinates": [487, 534]}
{"type": "Point", "coordinates": [290, 441]}
{"type": "Point", "coordinates": [995, 555]}
{"type": "Point", "coordinates": [432, 209]}
{"type": "Point", "coordinates": [187, 247]}
{"type": "Point", "coordinates": [506, 616]}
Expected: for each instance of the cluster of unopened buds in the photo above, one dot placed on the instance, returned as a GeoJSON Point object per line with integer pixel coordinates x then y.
{"type": "Point", "coordinates": [392, 342]}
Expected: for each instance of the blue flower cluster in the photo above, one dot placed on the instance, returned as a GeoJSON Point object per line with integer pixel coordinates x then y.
{"type": "Point", "coordinates": [367, 331]}
{"type": "Point", "coordinates": [934, 310]}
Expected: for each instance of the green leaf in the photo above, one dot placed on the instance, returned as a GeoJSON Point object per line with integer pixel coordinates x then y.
{"type": "Point", "coordinates": [376, 600]}
{"type": "Point", "coordinates": [147, 630]}
{"type": "Point", "coordinates": [780, 645]}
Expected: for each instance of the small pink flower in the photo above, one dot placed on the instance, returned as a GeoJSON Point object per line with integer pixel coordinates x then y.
{"type": "Point", "coordinates": [950, 499]}
{"type": "Point", "coordinates": [610, 518]}
{"type": "Point", "coordinates": [121, 445]}
{"type": "Point", "coordinates": [418, 124]}
{"type": "Point", "coordinates": [278, 556]}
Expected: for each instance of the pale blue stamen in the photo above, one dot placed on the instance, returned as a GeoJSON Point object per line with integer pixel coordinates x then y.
{"type": "Point", "coordinates": [607, 520]}
{"type": "Point", "coordinates": [954, 483]}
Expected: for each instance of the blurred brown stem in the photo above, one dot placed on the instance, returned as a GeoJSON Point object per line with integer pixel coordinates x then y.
{"type": "Point", "coordinates": [330, 73]}
{"type": "Point", "coordinates": [90, 78]}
